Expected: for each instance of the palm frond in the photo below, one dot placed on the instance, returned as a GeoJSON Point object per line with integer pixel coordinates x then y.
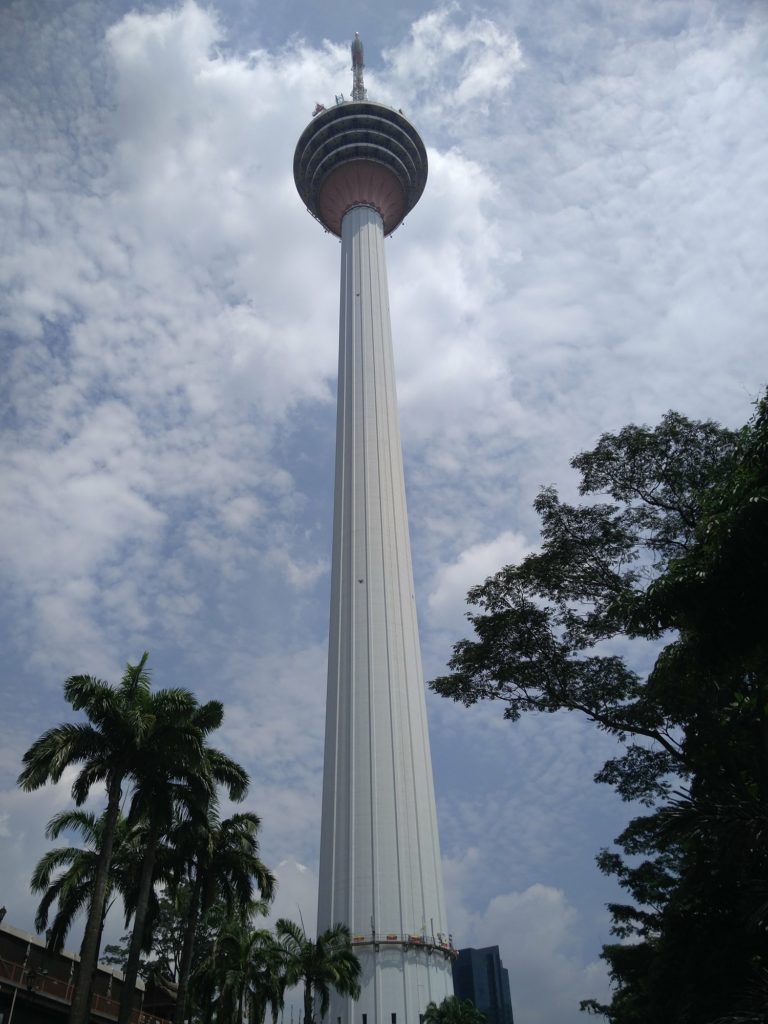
{"type": "Point", "coordinates": [49, 862]}
{"type": "Point", "coordinates": [59, 747]}
{"type": "Point", "coordinates": [136, 679]}
{"type": "Point", "coordinates": [94, 696]}
{"type": "Point", "coordinates": [228, 773]}
{"type": "Point", "coordinates": [82, 822]}
{"type": "Point", "coordinates": [92, 773]}
{"type": "Point", "coordinates": [209, 716]}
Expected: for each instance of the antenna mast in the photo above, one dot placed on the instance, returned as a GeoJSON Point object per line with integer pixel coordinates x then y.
{"type": "Point", "coordinates": [358, 88]}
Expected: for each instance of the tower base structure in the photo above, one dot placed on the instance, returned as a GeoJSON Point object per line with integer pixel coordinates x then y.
{"type": "Point", "coordinates": [380, 867]}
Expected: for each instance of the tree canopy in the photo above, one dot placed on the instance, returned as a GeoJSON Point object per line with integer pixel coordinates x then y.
{"type": "Point", "coordinates": [453, 1010]}
{"type": "Point", "coordinates": [320, 965]}
{"type": "Point", "coordinates": [155, 746]}
{"type": "Point", "coordinates": [669, 551]}
{"type": "Point", "coordinates": [242, 975]}
{"type": "Point", "coordinates": [217, 862]}
{"type": "Point", "coordinates": [71, 888]}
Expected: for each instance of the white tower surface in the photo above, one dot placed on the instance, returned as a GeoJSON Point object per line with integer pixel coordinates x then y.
{"type": "Point", "coordinates": [360, 167]}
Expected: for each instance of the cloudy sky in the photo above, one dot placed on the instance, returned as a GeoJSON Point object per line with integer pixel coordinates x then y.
{"type": "Point", "coordinates": [590, 250]}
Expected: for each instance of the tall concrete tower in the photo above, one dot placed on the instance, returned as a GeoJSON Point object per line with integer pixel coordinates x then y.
{"type": "Point", "coordinates": [360, 167]}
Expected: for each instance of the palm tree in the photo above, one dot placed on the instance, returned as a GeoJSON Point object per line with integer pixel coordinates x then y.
{"type": "Point", "coordinates": [269, 981]}
{"type": "Point", "coordinates": [220, 863]}
{"type": "Point", "coordinates": [176, 769]}
{"type": "Point", "coordinates": [71, 888]}
{"type": "Point", "coordinates": [453, 1010]}
{"type": "Point", "coordinates": [329, 963]}
{"type": "Point", "coordinates": [105, 749]}
{"type": "Point", "coordinates": [243, 973]}
{"type": "Point", "coordinates": [130, 737]}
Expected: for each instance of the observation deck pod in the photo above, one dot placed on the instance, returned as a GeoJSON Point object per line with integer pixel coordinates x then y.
{"type": "Point", "coordinates": [360, 153]}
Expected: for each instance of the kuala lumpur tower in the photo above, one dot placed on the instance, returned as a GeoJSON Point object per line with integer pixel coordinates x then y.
{"type": "Point", "coordinates": [360, 167]}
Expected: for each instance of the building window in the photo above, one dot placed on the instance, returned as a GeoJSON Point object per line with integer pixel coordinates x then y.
{"type": "Point", "coordinates": [365, 1018]}
{"type": "Point", "coordinates": [394, 1018]}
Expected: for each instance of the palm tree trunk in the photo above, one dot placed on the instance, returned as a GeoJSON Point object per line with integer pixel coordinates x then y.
{"type": "Point", "coordinates": [104, 913]}
{"type": "Point", "coordinates": [139, 920]}
{"type": "Point", "coordinates": [79, 1011]}
{"type": "Point", "coordinates": [308, 1018]}
{"type": "Point", "coordinates": [185, 965]}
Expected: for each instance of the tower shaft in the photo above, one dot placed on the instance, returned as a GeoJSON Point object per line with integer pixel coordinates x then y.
{"type": "Point", "coordinates": [379, 861]}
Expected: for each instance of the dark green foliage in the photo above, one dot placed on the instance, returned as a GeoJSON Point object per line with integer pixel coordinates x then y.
{"type": "Point", "coordinates": [166, 933]}
{"type": "Point", "coordinates": [327, 963]}
{"type": "Point", "coordinates": [247, 971]}
{"type": "Point", "coordinates": [71, 888]}
{"type": "Point", "coordinates": [216, 863]}
{"type": "Point", "coordinates": [677, 556]}
{"type": "Point", "coordinates": [453, 1010]}
{"type": "Point", "coordinates": [104, 747]}
{"type": "Point", "coordinates": [244, 973]}
{"type": "Point", "coordinates": [173, 768]}
{"type": "Point", "coordinates": [154, 747]}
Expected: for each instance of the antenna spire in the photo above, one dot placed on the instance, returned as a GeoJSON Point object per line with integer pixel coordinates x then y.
{"type": "Point", "coordinates": [358, 87]}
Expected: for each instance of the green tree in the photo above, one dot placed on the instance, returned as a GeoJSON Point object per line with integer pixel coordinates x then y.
{"type": "Point", "coordinates": [675, 559]}
{"type": "Point", "coordinates": [167, 937]}
{"type": "Point", "coordinates": [174, 769]}
{"type": "Point", "coordinates": [328, 963]}
{"type": "Point", "coordinates": [104, 747]}
{"type": "Point", "coordinates": [71, 888]}
{"type": "Point", "coordinates": [151, 742]}
{"type": "Point", "coordinates": [219, 863]}
{"type": "Point", "coordinates": [268, 984]}
{"type": "Point", "coordinates": [453, 1010]}
{"type": "Point", "coordinates": [243, 973]}
{"type": "Point", "coordinates": [65, 875]}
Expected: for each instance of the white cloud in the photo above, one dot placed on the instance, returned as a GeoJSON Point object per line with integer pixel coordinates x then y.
{"type": "Point", "coordinates": [301, 575]}
{"type": "Point", "coordinates": [167, 378]}
{"type": "Point", "coordinates": [450, 62]}
{"type": "Point", "coordinates": [537, 931]}
{"type": "Point", "coordinates": [449, 590]}
{"type": "Point", "coordinates": [296, 896]}
{"type": "Point", "coordinates": [540, 935]}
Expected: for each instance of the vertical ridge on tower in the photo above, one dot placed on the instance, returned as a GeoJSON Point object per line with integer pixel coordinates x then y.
{"type": "Point", "coordinates": [360, 167]}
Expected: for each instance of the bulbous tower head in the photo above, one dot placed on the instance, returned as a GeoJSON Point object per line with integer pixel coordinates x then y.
{"type": "Point", "coordinates": [359, 153]}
